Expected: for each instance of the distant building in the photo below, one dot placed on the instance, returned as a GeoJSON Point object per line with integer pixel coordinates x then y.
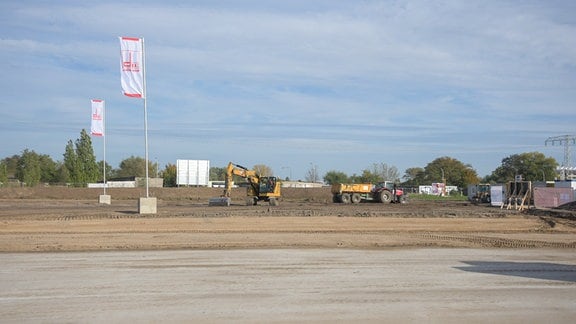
{"type": "Point", "coordinates": [129, 182]}
{"type": "Point", "coordinates": [300, 184]}
{"type": "Point", "coordinates": [436, 189]}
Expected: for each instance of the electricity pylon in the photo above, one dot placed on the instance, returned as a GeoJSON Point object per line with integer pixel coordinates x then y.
{"type": "Point", "coordinates": [567, 140]}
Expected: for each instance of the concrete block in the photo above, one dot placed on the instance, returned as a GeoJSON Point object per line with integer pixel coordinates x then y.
{"type": "Point", "coordinates": [147, 205]}
{"type": "Point", "coordinates": [219, 201]}
{"type": "Point", "coordinates": [105, 199]}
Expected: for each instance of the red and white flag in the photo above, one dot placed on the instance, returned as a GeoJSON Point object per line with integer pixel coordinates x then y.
{"type": "Point", "coordinates": [132, 66]}
{"type": "Point", "coordinates": [97, 128]}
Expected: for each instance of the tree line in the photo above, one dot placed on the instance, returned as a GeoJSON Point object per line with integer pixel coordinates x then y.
{"type": "Point", "coordinates": [532, 166]}
{"type": "Point", "coordinates": [79, 167]}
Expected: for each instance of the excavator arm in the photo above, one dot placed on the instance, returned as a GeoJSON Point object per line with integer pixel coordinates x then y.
{"type": "Point", "coordinates": [238, 170]}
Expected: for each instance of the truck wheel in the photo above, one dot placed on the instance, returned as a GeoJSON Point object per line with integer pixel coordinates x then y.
{"type": "Point", "coordinates": [273, 202]}
{"type": "Point", "coordinates": [356, 198]}
{"type": "Point", "coordinates": [345, 198]}
{"type": "Point", "coordinates": [336, 199]}
{"type": "Point", "coordinates": [385, 196]}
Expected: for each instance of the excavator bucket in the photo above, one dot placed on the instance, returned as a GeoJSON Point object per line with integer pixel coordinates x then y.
{"type": "Point", "coordinates": [219, 201]}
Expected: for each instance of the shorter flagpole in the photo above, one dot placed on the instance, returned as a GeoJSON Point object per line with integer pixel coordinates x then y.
{"type": "Point", "coordinates": [98, 128]}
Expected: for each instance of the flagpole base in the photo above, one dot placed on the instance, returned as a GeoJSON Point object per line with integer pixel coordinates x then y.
{"type": "Point", "coordinates": [105, 199]}
{"type": "Point", "coordinates": [147, 205]}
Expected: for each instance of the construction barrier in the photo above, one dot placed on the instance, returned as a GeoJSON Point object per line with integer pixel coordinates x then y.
{"type": "Point", "coordinates": [552, 197]}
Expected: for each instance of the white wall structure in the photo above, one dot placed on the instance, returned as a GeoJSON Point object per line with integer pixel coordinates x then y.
{"type": "Point", "coordinates": [497, 195]}
{"type": "Point", "coordinates": [192, 172]}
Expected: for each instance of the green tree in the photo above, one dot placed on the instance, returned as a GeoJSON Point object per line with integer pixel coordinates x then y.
{"type": "Point", "coordinates": [455, 172]}
{"type": "Point", "coordinates": [532, 166]}
{"type": "Point", "coordinates": [332, 177]}
{"type": "Point", "coordinates": [3, 173]}
{"type": "Point", "coordinates": [11, 164]}
{"type": "Point", "coordinates": [136, 167]}
{"type": "Point", "coordinates": [62, 175]}
{"type": "Point", "coordinates": [29, 170]}
{"type": "Point", "coordinates": [73, 170]}
{"type": "Point", "coordinates": [169, 175]}
{"type": "Point", "coordinates": [413, 176]}
{"type": "Point", "coordinates": [217, 174]}
{"type": "Point", "coordinates": [367, 176]}
{"type": "Point", "coordinates": [48, 169]}
{"type": "Point", "coordinates": [109, 170]}
{"type": "Point", "coordinates": [86, 159]}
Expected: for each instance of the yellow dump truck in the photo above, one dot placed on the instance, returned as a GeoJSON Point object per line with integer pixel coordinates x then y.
{"type": "Point", "coordinates": [384, 192]}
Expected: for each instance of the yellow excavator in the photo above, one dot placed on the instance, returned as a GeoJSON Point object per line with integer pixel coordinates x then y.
{"type": "Point", "coordinates": [259, 188]}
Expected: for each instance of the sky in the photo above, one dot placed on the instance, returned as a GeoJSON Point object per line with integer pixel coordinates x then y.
{"type": "Point", "coordinates": [335, 85]}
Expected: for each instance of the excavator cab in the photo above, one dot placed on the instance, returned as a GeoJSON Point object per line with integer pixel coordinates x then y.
{"type": "Point", "coordinates": [266, 189]}
{"type": "Point", "coordinates": [267, 185]}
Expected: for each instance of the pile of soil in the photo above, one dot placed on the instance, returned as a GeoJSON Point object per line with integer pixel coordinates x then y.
{"type": "Point", "coordinates": [568, 206]}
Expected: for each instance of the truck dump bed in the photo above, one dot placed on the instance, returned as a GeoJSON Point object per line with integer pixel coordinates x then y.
{"type": "Point", "coordinates": [339, 188]}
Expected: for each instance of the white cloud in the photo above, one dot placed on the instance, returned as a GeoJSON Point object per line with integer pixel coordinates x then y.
{"type": "Point", "coordinates": [330, 77]}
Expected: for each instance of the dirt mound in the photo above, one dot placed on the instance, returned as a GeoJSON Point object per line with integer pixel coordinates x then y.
{"type": "Point", "coordinates": [568, 206]}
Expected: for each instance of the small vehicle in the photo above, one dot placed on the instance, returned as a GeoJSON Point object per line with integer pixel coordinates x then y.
{"type": "Point", "coordinates": [480, 193]}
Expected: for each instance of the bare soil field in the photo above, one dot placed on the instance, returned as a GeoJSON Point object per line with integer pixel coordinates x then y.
{"type": "Point", "coordinates": [71, 219]}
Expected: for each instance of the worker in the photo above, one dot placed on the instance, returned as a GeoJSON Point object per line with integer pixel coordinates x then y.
{"type": "Point", "coordinates": [396, 198]}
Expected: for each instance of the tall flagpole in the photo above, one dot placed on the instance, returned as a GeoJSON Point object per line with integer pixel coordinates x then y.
{"type": "Point", "coordinates": [104, 141]}
{"type": "Point", "coordinates": [145, 113]}
{"type": "Point", "coordinates": [133, 79]}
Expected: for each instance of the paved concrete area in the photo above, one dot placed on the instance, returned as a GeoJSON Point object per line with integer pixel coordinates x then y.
{"type": "Point", "coordinates": [270, 285]}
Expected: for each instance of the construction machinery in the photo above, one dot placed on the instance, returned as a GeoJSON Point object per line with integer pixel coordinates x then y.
{"type": "Point", "coordinates": [383, 192]}
{"type": "Point", "coordinates": [259, 188]}
{"type": "Point", "coordinates": [479, 193]}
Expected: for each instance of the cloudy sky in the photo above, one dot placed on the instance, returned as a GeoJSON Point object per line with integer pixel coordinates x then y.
{"type": "Point", "coordinates": [338, 85]}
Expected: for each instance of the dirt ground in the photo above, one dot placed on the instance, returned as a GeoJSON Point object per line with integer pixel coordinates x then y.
{"type": "Point", "coordinates": [71, 219]}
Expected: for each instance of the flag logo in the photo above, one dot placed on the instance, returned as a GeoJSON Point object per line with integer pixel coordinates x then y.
{"type": "Point", "coordinates": [97, 127]}
{"type": "Point", "coordinates": [132, 66]}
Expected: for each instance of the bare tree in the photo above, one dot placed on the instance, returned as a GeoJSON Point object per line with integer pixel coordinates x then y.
{"type": "Point", "coordinates": [313, 175]}
{"type": "Point", "coordinates": [263, 170]}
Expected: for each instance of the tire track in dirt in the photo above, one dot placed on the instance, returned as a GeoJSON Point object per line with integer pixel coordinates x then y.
{"type": "Point", "coordinates": [493, 242]}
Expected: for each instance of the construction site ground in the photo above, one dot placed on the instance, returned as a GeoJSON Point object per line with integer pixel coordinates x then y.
{"type": "Point", "coordinates": [71, 219]}
{"type": "Point", "coordinates": [68, 259]}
